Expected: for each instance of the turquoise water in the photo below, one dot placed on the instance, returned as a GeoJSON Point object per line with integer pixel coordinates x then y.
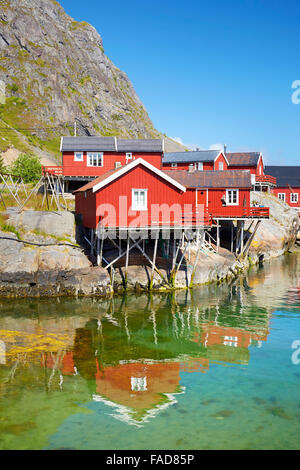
{"type": "Point", "coordinates": [214, 368]}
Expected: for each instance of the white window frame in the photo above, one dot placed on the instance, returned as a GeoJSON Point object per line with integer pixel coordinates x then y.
{"type": "Point", "coordinates": [174, 165]}
{"type": "Point", "coordinates": [281, 196]}
{"type": "Point", "coordinates": [221, 166]}
{"type": "Point", "coordinates": [76, 159]}
{"type": "Point", "coordinates": [92, 154]}
{"type": "Point", "coordinates": [294, 198]}
{"type": "Point", "coordinates": [199, 166]}
{"type": "Point", "coordinates": [128, 156]}
{"type": "Point", "coordinates": [138, 384]}
{"type": "Point", "coordinates": [137, 207]}
{"type": "Point", "coordinates": [228, 203]}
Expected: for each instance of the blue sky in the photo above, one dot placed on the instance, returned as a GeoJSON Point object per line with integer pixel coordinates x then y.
{"type": "Point", "coordinates": [209, 72]}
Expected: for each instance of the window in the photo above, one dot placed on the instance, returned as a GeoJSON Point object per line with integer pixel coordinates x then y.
{"type": "Point", "coordinates": [199, 166]}
{"type": "Point", "coordinates": [281, 196]}
{"type": "Point", "coordinates": [230, 341]}
{"type": "Point", "coordinates": [94, 159]}
{"type": "Point", "coordinates": [174, 165]}
{"type": "Point", "coordinates": [232, 197]}
{"type": "Point", "coordinates": [221, 166]}
{"type": "Point", "coordinates": [294, 197]}
{"type": "Point", "coordinates": [139, 200]}
{"type": "Point", "coordinates": [78, 157]}
{"type": "Point", "coordinates": [128, 156]}
{"type": "Point", "coordinates": [138, 384]}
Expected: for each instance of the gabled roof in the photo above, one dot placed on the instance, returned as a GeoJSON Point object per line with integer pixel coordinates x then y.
{"type": "Point", "coordinates": [212, 179]}
{"type": "Point", "coordinates": [92, 144]}
{"type": "Point", "coordinates": [285, 175]}
{"type": "Point", "coordinates": [102, 144]}
{"type": "Point", "coordinates": [193, 156]}
{"type": "Point", "coordinates": [111, 175]}
{"type": "Point", "coordinates": [243, 158]}
{"type": "Point", "coordinates": [139, 145]}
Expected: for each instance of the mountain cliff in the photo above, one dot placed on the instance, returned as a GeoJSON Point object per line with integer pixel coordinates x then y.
{"type": "Point", "coordinates": [53, 72]}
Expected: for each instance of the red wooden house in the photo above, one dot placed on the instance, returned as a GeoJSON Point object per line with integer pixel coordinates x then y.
{"type": "Point", "coordinates": [198, 160]}
{"type": "Point", "coordinates": [85, 158]}
{"type": "Point", "coordinates": [202, 160]}
{"type": "Point", "coordinates": [140, 194]}
{"type": "Point", "coordinates": [288, 184]}
{"type": "Point", "coordinates": [222, 194]}
{"type": "Point", "coordinates": [254, 162]}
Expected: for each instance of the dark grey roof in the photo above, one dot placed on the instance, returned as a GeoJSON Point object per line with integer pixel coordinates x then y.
{"type": "Point", "coordinates": [243, 158]}
{"type": "Point", "coordinates": [139, 145]}
{"type": "Point", "coordinates": [91, 144]}
{"type": "Point", "coordinates": [285, 175]}
{"type": "Point", "coordinates": [193, 156]}
{"type": "Point", "coordinates": [212, 179]}
{"type": "Point", "coordinates": [100, 144]}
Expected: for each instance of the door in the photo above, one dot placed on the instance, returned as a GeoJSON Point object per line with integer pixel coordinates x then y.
{"type": "Point", "coordinates": [201, 202]}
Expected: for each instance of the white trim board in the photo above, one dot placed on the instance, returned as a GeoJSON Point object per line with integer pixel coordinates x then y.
{"type": "Point", "coordinates": [129, 167]}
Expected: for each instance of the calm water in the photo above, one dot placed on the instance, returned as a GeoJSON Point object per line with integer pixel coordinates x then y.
{"type": "Point", "coordinates": [216, 368]}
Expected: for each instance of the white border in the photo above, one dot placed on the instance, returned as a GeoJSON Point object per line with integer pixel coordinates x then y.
{"type": "Point", "coordinates": [94, 153]}
{"type": "Point", "coordinates": [133, 164]}
{"type": "Point", "coordinates": [146, 199]}
{"type": "Point", "coordinates": [237, 199]}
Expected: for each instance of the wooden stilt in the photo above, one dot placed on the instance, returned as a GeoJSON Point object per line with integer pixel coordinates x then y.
{"type": "Point", "coordinates": [153, 264]}
{"type": "Point", "coordinates": [127, 259]}
{"type": "Point", "coordinates": [242, 235]}
{"type": "Point", "coordinates": [92, 242]}
{"type": "Point", "coordinates": [218, 235]}
{"type": "Point", "coordinates": [195, 264]}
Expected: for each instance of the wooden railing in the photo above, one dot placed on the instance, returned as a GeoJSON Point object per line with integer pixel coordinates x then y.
{"type": "Point", "coordinates": [233, 212]}
{"type": "Point", "coordinates": [266, 179]}
{"type": "Point", "coordinates": [53, 170]}
{"type": "Point", "coordinates": [191, 219]}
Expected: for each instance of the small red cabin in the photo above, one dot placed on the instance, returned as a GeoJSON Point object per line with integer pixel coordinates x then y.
{"type": "Point", "coordinates": [288, 184]}
{"type": "Point", "coordinates": [198, 160]}
{"type": "Point", "coordinates": [85, 158]}
{"type": "Point", "coordinates": [254, 162]}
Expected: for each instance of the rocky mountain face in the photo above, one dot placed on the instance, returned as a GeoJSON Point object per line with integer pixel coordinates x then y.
{"type": "Point", "coordinates": [53, 72]}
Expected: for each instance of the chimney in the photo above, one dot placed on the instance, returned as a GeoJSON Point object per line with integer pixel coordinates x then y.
{"type": "Point", "coordinates": [225, 149]}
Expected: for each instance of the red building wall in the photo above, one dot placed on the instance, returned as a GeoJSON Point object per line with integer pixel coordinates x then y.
{"type": "Point", "coordinates": [72, 168]}
{"type": "Point", "coordinates": [159, 192]}
{"type": "Point", "coordinates": [254, 169]}
{"type": "Point", "coordinates": [185, 166]}
{"type": "Point", "coordinates": [220, 158]}
{"type": "Point", "coordinates": [287, 193]}
{"type": "Point", "coordinates": [114, 201]}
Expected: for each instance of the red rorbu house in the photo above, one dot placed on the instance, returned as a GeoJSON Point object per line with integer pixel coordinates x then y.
{"type": "Point", "coordinates": [136, 192]}
{"type": "Point", "coordinates": [216, 160]}
{"type": "Point", "coordinates": [198, 160]}
{"type": "Point", "coordinates": [252, 161]}
{"type": "Point", "coordinates": [288, 184]}
{"type": "Point", "coordinates": [141, 196]}
{"type": "Point", "coordinates": [85, 158]}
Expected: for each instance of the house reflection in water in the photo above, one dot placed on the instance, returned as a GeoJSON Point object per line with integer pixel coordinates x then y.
{"type": "Point", "coordinates": [133, 362]}
{"type": "Point", "coordinates": [138, 391]}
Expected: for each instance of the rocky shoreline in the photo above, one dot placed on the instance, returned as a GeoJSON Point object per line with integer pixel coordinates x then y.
{"type": "Point", "coordinates": [58, 267]}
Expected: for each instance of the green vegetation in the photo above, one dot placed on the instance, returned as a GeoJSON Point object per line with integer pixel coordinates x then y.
{"type": "Point", "coordinates": [14, 87]}
{"type": "Point", "coordinates": [2, 165]}
{"type": "Point", "coordinates": [6, 227]}
{"type": "Point", "coordinates": [28, 166]}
